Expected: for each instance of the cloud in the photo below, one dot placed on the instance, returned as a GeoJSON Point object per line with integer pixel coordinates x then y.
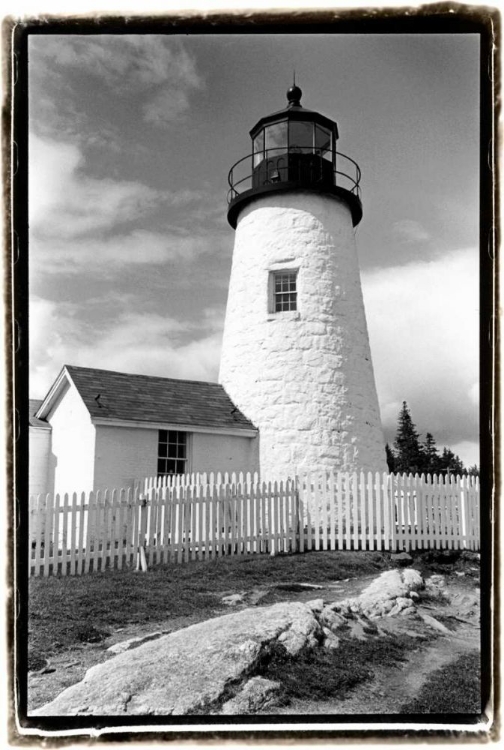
{"type": "Point", "coordinates": [148, 344]}
{"type": "Point", "coordinates": [166, 107]}
{"type": "Point", "coordinates": [423, 323]}
{"type": "Point", "coordinates": [125, 60]}
{"type": "Point", "coordinates": [157, 68]}
{"type": "Point", "coordinates": [111, 255]}
{"type": "Point", "coordinates": [48, 333]}
{"type": "Point", "coordinates": [64, 202]}
{"type": "Point", "coordinates": [468, 451]}
{"type": "Point", "coordinates": [78, 222]}
{"type": "Point", "coordinates": [410, 231]}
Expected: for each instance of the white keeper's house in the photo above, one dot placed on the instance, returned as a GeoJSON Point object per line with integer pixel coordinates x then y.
{"type": "Point", "coordinates": [297, 390]}
{"type": "Point", "coordinates": [98, 429]}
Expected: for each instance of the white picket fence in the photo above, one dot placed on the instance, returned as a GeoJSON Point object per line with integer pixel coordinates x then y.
{"type": "Point", "coordinates": [201, 517]}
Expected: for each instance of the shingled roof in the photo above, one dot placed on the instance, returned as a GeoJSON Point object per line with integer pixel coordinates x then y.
{"type": "Point", "coordinates": [144, 398]}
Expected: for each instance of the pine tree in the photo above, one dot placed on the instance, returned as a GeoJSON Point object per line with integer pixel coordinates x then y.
{"type": "Point", "coordinates": [449, 463]}
{"type": "Point", "coordinates": [473, 471]}
{"type": "Point", "coordinates": [431, 463]}
{"type": "Point", "coordinates": [408, 452]}
{"type": "Point", "coordinates": [410, 456]}
{"type": "Point", "coordinates": [390, 458]}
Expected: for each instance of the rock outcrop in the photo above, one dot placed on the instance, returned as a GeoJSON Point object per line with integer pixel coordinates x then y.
{"type": "Point", "coordinates": [389, 594]}
{"type": "Point", "coordinates": [257, 693]}
{"type": "Point", "coordinates": [212, 667]}
{"type": "Point", "coordinates": [190, 670]}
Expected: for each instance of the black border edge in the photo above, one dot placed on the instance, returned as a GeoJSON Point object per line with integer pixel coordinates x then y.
{"type": "Point", "coordinates": [463, 19]}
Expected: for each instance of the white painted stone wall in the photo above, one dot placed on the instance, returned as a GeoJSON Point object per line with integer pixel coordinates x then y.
{"type": "Point", "coordinates": [304, 378]}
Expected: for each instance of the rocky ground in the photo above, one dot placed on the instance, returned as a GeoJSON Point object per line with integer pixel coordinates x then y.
{"type": "Point", "coordinates": [369, 643]}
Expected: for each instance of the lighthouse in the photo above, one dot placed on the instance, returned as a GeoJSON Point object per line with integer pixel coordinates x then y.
{"type": "Point", "coordinates": [296, 358]}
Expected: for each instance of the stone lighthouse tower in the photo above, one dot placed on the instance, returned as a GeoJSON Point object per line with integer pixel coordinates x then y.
{"type": "Point", "coordinates": [296, 357]}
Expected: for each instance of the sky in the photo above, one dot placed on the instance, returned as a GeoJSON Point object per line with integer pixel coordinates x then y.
{"type": "Point", "coordinates": [131, 140]}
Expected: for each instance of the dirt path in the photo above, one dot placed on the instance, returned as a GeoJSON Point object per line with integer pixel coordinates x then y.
{"type": "Point", "coordinates": [393, 686]}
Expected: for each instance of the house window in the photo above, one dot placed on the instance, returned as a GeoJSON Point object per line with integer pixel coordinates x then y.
{"type": "Point", "coordinates": [172, 452]}
{"type": "Point", "coordinates": [284, 291]}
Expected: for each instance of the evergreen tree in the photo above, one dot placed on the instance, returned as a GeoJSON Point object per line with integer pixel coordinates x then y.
{"type": "Point", "coordinates": [431, 456]}
{"type": "Point", "coordinates": [449, 463]}
{"type": "Point", "coordinates": [410, 456]}
{"type": "Point", "coordinates": [408, 451]}
{"type": "Point", "coordinates": [390, 458]}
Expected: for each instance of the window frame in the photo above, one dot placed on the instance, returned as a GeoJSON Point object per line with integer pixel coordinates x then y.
{"type": "Point", "coordinates": [273, 294]}
{"type": "Point", "coordinates": [176, 449]}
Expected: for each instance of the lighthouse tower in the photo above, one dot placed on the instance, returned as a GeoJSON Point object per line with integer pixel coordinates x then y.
{"type": "Point", "coordinates": [296, 357]}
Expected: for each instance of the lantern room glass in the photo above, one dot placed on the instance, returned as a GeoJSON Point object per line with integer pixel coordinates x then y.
{"type": "Point", "coordinates": [294, 136]}
{"type": "Point", "coordinates": [323, 142]}
{"type": "Point", "coordinates": [259, 148]}
{"type": "Point", "coordinates": [275, 137]}
{"type": "Point", "coordinates": [301, 137]}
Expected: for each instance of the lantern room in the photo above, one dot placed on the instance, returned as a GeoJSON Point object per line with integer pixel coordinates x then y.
{"type": "Point", "coordinates": [294, 148]}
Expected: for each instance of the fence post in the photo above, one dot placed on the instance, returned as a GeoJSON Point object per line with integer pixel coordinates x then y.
{"type": "Point", "coordinates": [141, 559]}
{"type": "Point", "coordinates": [272, 530]}
{"type": "Point", "coordinates": [300, 516]}
{"type": "Point", "coordinates": [389, 503]}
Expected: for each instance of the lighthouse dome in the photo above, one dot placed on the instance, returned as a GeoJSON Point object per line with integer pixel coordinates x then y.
{"type": "Point", "coordinates": [294, 95]}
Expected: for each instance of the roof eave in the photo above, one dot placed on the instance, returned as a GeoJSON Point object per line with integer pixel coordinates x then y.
{"type": "Point", "coordinates": [52, 394]}
{"type": "Point", "coordinates": [55, 391]}
{"type": "Point", "coordinates": [236, 431]}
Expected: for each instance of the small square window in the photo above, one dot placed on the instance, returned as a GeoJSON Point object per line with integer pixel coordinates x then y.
{"type": "Point", "coordinates": [283, 286]}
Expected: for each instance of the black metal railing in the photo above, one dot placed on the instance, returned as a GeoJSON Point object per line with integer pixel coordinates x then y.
{"type": "Point", "coordinates": [305, 167]}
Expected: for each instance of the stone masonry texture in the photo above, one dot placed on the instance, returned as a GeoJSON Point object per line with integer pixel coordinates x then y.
{"type": "Point", "coordinates": [304, 378]}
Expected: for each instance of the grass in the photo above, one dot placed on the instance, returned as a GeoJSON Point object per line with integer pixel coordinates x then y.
{"type": "Point", "coordinates": [319, 674]}
{"type": "Point", "coordinates": [453, 689]}
{"type": "Point", "coordinates": [322, 674]}
{"type": "Point", "coordinates": [447, 561]}
{"type": "Point", "coordinates": [67, 611]}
